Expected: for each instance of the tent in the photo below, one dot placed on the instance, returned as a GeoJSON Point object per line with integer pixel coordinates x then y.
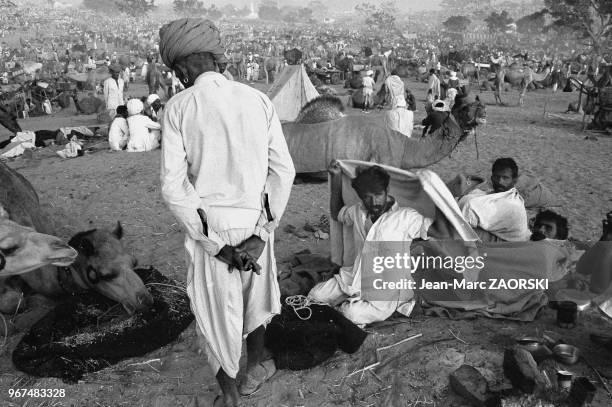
{"type": "Point", "coordinates": [291, 91]}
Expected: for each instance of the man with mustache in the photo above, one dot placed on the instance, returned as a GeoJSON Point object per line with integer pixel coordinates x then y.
{"type": "Point", "coordinates": [378, 217]}
{"type": "Point", "coordinates": [497, 211]}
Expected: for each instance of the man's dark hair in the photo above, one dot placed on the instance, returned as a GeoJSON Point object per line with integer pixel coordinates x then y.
{"type": "Point", "coordinates": [506, 162]}
{"type": "Point", "coordinates": [432, 70]}
{"type": "Point", "coordinates": [205, 60]}
{"type": "Point", "coordinates": [122, 110]}
{"type": "Point", "coordinates": [560, 221]}
{"type": "Point", "coordinates": [371, 179]}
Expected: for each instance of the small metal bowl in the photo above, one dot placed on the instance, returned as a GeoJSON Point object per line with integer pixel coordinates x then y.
{"type": "Point", "coordinates": [566, 354]}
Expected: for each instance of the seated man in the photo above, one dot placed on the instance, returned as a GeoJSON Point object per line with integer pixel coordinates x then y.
{"type": "Point", "coordinates": [435, 117]}
{"type": "Point", "coordinates": [498, 213]}
{"type": "Point", "coordinates": [549, 225]}
{"type": "Point", "coordinates": [376, 218]}
{"type": "Point", "coordinates": [553, 228]}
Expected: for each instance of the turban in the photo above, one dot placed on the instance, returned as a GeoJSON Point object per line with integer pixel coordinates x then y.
{"type": "Point", "coordinates": [187, 36]}
{"type": "Point", "coordinates": [152, 98]}
{"type": "Point", "coordinates": [114, 68]}
{"type": "Point", "coordinates": [438, 106]}
{"type": "Point", "coordinates": [134, 106]}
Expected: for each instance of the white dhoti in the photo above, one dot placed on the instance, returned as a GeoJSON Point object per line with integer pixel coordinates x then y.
{"type": "Point", "coordinates": [354, 308]}
{"type": "Point", "coordinates": [228, 306]}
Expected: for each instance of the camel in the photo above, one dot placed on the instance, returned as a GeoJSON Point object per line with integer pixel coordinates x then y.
{"type": "Point", "coordinates": [8, 119]}
{"type": "Point", "coordinates": [272, 66]}
{"type": "Point", "coordinates": [313, 145]}
{"type": "Point", "coordinates": [237, 60]}
{"type": "Point", "coordinates": [517, 77]}
{"type": "Point", "coordinates": [89, 104]}
{"type": "Point", "coordinates": [101, 264]}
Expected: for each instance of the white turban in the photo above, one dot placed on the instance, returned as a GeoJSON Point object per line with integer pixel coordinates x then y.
{"type": "Point", "coordinates": [440, 106]}
{"type": "Point", "coordinates": [134, 106]}
{"type": "Point", "coordinates": [152, 98]}
{"type": "Point", "coordinates": [186, 36]}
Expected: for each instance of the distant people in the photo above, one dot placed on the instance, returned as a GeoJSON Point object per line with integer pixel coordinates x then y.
{"type": "Point", "coordinates": [433, 83]}
{"type": "Point", "coordinates": [368, 91]}
{"type": "Point", "coordinates": [145, 134]}
{"type": "Point", "coordinates": [497, 212]}
{"type": "Point", "coordinates": [119, 132]}
{"type": "Point", "coordinates": [399, 118]}
{"type": "Point", "coordinates": [453, 81]}
{"type": "Point", "coordinates": [113, 90]}
{"type": "Point", "coordinates": [155, 107]}
{"type": "Point", "coordinates": [438, 114]}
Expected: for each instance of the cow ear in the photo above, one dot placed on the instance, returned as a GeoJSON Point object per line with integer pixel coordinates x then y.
{"type": "Point", "coordinates": [118, 232]}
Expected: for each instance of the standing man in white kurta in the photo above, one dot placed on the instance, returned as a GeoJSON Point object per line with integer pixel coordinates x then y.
{"type": "Point", "coordinates": [113, 90]}
{"type": "Point", "coordinates": [224, 153]}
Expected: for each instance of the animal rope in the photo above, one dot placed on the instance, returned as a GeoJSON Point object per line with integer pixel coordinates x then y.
{"type": "Point", "coordinates": [301, 302]}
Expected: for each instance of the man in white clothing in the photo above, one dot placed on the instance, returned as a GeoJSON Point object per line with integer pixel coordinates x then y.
{"type": "Point", "coordinates": [224, 156]}
{"type": "Point", "coordinates": [113, 90]}
{"type": "Point", "coordinates": [497, 211]}
{"type": "Point", "coordinates": [119, 132]}
{"type": "Point", "coordinates": [377, 218]}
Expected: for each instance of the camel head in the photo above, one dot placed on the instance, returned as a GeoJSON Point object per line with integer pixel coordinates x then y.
{"type": "Point", "coordinates": [9, 120]}
{"type": "Point", "coordinates": [469, 114]}
{"type": "Point", "coordinates": [22, 249]}
{"type": "Point", "coordinates": [104, 265]}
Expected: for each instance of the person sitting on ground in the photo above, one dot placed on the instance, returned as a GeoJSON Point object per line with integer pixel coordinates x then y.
{"type": "Point", "coordinates": [497, 212]}
{"type": "Point", "coordinates": [438, 115]}
{"type": "Point", "coordinates": [549, 225]}
{"type": "Point", "coordinates": [119, 132]}
{"type": "Point", "coordinates": [155, 108]}
{"type": "Point", "coordinates": [144, 133]}
{"type": "Point", "coordinates": [378, 217]}
{"type": "Point", "coordinates": [368, 91]}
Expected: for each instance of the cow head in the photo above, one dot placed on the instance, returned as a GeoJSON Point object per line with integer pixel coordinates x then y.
{"type": "Point", "coordinates": [105, 266]}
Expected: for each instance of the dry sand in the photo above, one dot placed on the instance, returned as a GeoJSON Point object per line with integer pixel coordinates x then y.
{"type": "Point", "coordinates": [102, 188]}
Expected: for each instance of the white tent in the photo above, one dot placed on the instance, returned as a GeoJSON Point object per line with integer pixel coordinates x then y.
{"type": "Point", "coordinates": [291, 91]}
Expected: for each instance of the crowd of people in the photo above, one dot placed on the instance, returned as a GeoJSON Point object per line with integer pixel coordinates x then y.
{"type": "Point", "coordinates": [206, 135]}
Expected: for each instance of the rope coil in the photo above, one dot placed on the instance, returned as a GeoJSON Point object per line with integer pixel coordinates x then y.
{"type": "Point", "coordinates": [301, 302]}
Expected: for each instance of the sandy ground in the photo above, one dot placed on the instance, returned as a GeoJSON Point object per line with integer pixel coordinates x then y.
{"type": "Point", "coordinates": [101, 188]}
